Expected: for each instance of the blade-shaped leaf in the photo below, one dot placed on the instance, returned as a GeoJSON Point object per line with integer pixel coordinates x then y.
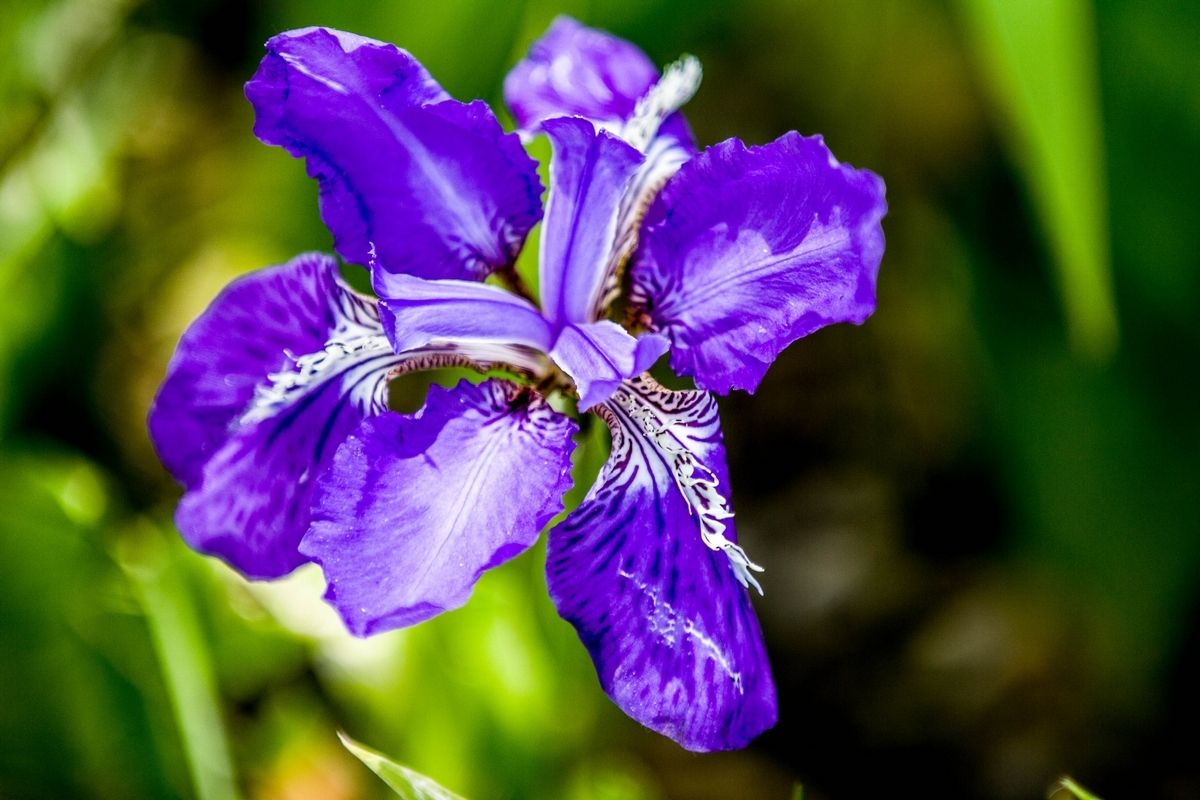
{"type": "Point", "coordinates": [407, 783]}
{"type": "Point", "coordinates": [1039, 58]}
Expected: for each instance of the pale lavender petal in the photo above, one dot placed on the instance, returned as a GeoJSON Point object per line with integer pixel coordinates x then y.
{"type": "Point", "coordinates": [243, 336]}
{"type": "Point", "coordinates": [749, 248]}
{"type": "Point", "coordinates": [589, 174]}
{"type": "Point", "coordinates": [416, 508]}
{"type": "Point", "coordinates": [574, 70]}
{"type": "Point", "coordinates": [669, 626]}
{"type": "Point", "coordinates": [251, 503]}
{"type": "Point", "coordinates": [411, 181]}
{"type": "Point", "coordinates": [599, 356]}
{"type": "Point", "coordinates": [421, 313]}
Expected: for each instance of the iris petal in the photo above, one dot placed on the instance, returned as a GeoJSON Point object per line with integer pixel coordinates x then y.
{"type": "Point", "coordinates": [420, 313]}
{"type": "Point", "coordinates": [241, 338]}
{"type": "Point", "coordinates": [416, 508]}
{"type": "Point", "coordinates": [574, 70]}
{"type": "Point", "coordinates": [749, 248]}
{"type": "Point", "coordinates": [664, 616]}
{"type": "Point", "coordinates": [578, 72]}
{"type": "Point", "coordinates": [250, 424]}
{"type": "Point", "coordinates": [589, 174]}
{"type": "Point", "coordinates": [599, 356]}
{"type": "Point", "coordinates": [252, 506]}
{"type": "Point", "coordinates": [411, 180]}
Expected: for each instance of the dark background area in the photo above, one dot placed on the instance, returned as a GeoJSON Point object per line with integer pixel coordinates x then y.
{"type": "Point", "coordinates": [977, 511]}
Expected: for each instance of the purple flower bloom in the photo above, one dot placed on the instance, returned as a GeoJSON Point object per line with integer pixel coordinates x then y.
{"type": "Point", "coordinates": [273, 413]}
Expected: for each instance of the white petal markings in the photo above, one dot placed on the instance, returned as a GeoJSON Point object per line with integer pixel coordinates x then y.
{"type": "Point", "coordinates": [670, 424]}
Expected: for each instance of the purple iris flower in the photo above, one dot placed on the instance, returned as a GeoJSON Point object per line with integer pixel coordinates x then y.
{"type": "Point", "coordinates": [274, 410]}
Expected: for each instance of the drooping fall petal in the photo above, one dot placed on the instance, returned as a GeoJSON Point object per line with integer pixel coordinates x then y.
{"type": "Point", "coordinates": [664, 615]}
{"type": "Point", "coordinates": [416, 508]}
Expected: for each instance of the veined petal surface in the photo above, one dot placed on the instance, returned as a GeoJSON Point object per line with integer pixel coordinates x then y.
{"type": "Point", "coordinates": [664, 616]}
{"type": "Point", "coordinates": [577, 71]}
{"type": "Point", "coordinates": [600, 356]}
{"type": "Point", "coordinates": [749, 248]}
{"type": "Point", "coordinates": [590, 172]}
{"type": "Point", "coordinates": [416, 508]}
{"type": "Point", "coordinates": [411, 180]}
{"type": "Point", "coordinates": [250, 502]}
{"type": "Point", "coordinates": [243, 336]}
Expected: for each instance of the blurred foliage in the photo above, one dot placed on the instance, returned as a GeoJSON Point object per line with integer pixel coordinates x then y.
{"type": "Point", "coordinates": [977, 511]}
{"type": "Point", "coordinates": [1040, 58]}
{"type": "Point", "coordinates": [1074, 789]}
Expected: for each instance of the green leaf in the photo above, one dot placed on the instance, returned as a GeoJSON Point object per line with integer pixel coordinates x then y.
{"type": "Point", "coordinates": [1075, 789]}
{"type": "Point", "coordinates": [184, 659]}
{"type": "Point", "coordinates": [407, 783]}
{"type": "Point", "coordinates": [1039, 58]}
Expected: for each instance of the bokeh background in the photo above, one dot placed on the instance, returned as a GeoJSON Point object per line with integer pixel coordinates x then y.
{"type": "Point", "coordinates": [978, 511]}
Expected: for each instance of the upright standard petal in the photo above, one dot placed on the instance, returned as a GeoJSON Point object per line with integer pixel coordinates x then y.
{"type": "Point", "coordinates": [577, 71]}
{"type": "Point", "coordinates": [647, 571]}
{"type": "Point", "coordinates": [251, 503]}
{"type": "Point", "coordinates": [244, 335]}
{"type": "Point", "coordinates": [411, 181]}
{"type": "Point", "coordinates": [416, 508]}
{"type": "Point", "coordinates": [600, 356]}
{"type": "Point", "coordinates": [747, 249]}
{"type": "Point", "coordinates": [590, 172]}
{"type": "Point", "coordinates": [574, 70]}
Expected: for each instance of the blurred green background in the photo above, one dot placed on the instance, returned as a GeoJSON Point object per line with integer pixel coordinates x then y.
{"type": "Point", "coordinates": [977, 512]}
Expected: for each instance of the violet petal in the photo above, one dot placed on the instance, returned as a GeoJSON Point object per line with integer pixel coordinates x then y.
{"type": "Point", "coordinates": [671, 630]}
{"type": "Point", "coordinates": [589, 174]}
{"type": "Point", "coordinates": [423, 312]}
{"type": "Point", "coordinates": [249, 502]}
{"type": "Point", "coordinates": [242, 337]}
{"type": "Point", "coordinates": [416, 508]}
{"type": "Point", "coordinates": [577, 71]}
{"type": "Point", "coordinates": [749, 248]}
{"type": "Point", "coordinates": [411, 180]}
{"type": "Point", "coordinates": [574, 70]}
{"type": "Point", "coordinates": [599, 356]}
